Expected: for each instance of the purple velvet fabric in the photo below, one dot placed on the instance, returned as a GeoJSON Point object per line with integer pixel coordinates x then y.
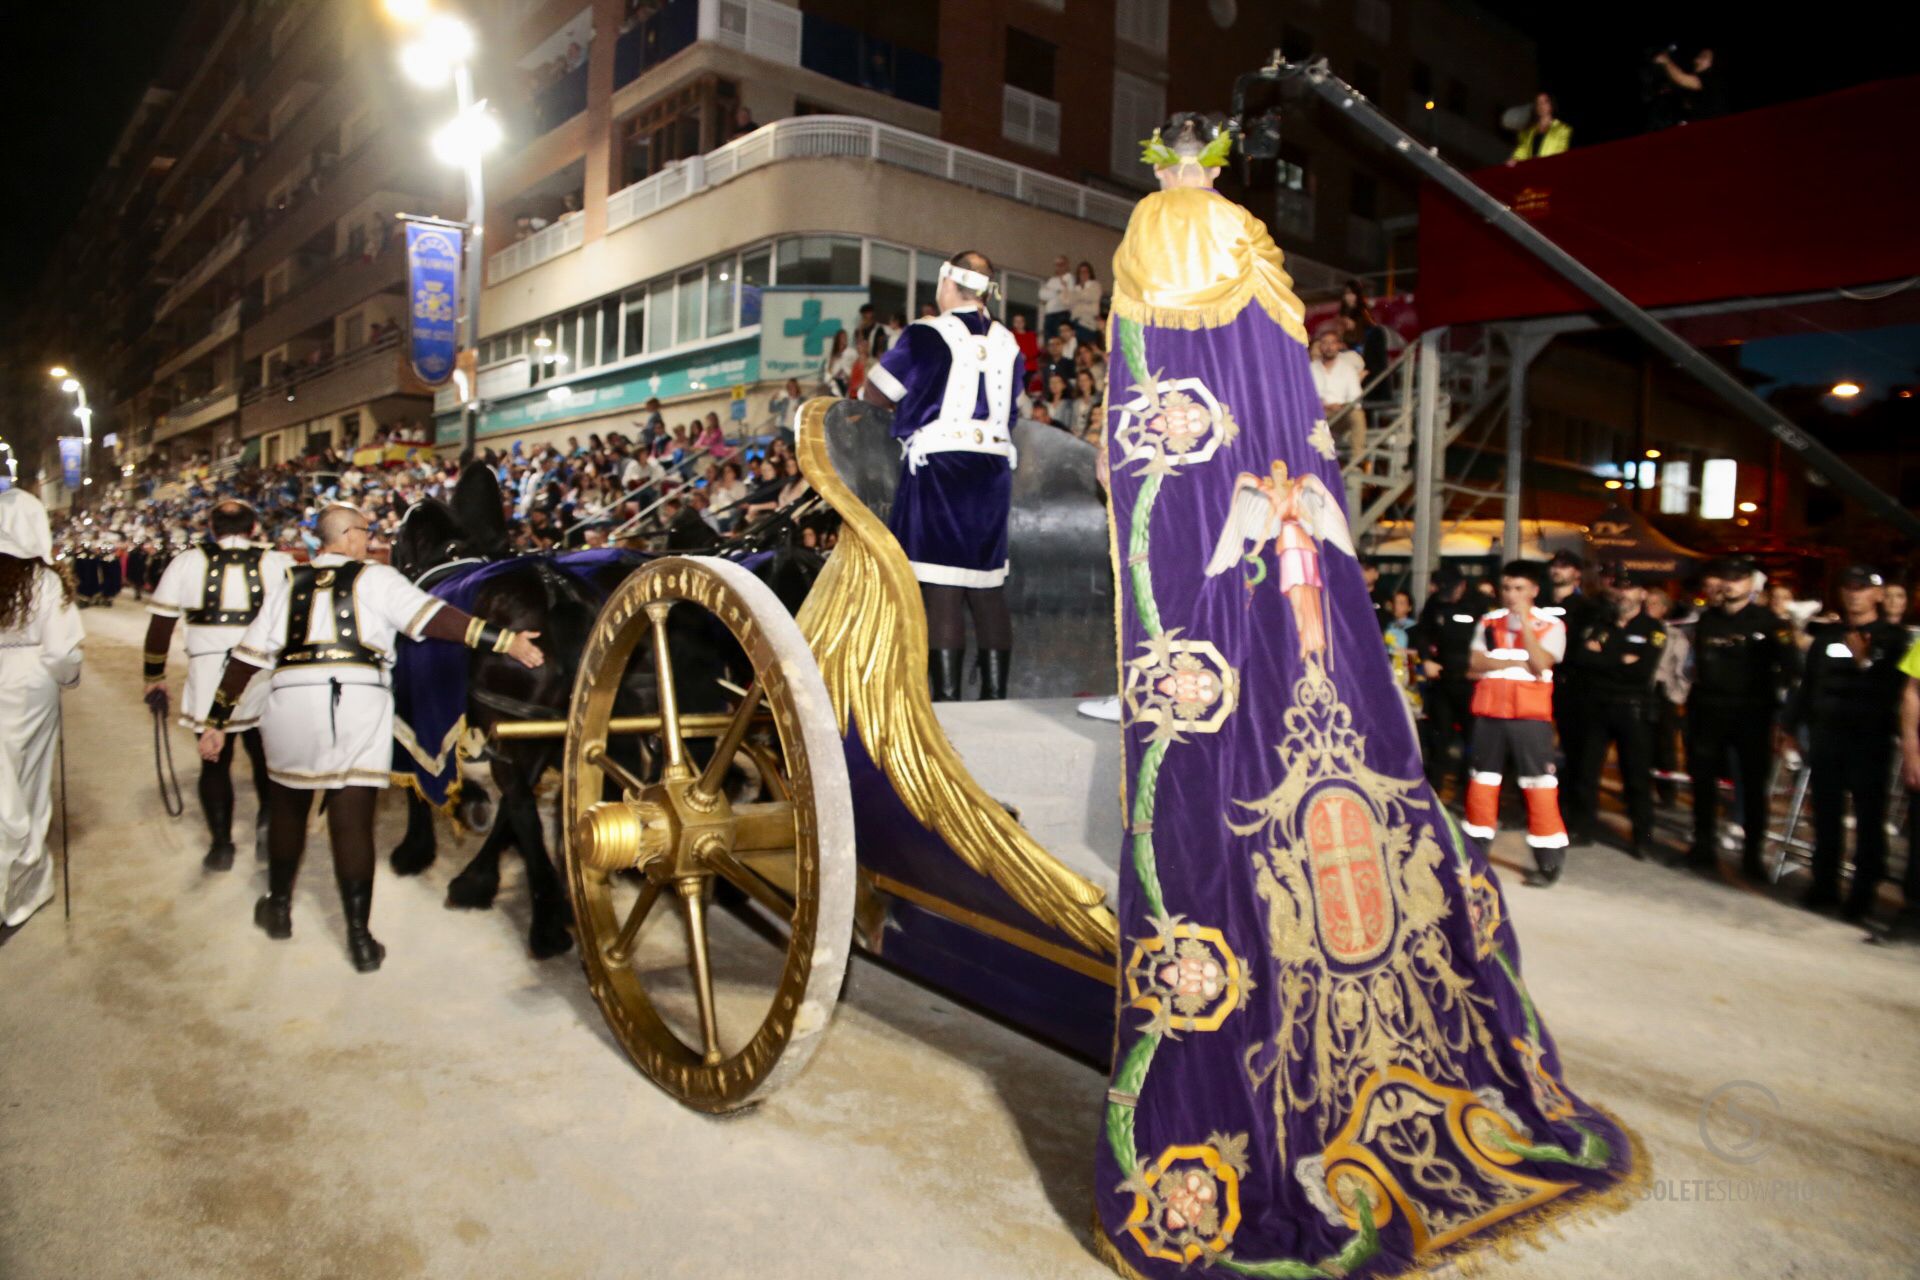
{"type": "Point", "coordinates": [1327, 1063]}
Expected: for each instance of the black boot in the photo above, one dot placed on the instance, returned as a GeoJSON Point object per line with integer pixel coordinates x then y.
{"type": "Point", "coordinates": [1551, 862]}
{"type": "Point", "coordinates": [220, 825]}
{"type": "Point", "coordinates": [943, 674]}
{"type": "Point", "coordinates": [993, 674]}
{"type": "Point", "coordinates": [274, 915]}
{"type": "Point", "coordinates": [356, 898]}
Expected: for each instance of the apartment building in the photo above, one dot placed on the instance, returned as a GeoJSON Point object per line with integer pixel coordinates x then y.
{"type": "Point", "coordinates": [235, 287]}
{"type": "Point", "coordinates": [668, 161]}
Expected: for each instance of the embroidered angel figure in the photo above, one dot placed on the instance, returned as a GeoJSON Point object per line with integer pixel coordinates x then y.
{"type": "Point", "coordinates": [1296, 514]}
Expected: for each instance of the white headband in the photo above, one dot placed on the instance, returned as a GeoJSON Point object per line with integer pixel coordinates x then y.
{"type": "Point", "coordinates": [966, 279]}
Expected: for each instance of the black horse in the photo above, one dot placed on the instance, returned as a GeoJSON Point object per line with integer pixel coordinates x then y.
{"type": "Point", "coordinates": [562, 606]}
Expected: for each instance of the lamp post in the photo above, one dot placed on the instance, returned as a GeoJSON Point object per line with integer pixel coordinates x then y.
{"type": "Point", "coordinates": [441, 50]}
{"type": "Point", "coordinates": [72, 386]}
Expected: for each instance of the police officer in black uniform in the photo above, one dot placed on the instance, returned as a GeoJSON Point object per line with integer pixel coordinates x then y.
{"type": "Point", "coordinates": [1739, 653]}
{"type": "Point", "coordinates": [1849, 701]}
{"type": "Point", "coordinates": [1616, 657]}
{"type": "Point", "coordinates": [1443, 637]}
{"type": "Point", "coordinates": [1566, 600]}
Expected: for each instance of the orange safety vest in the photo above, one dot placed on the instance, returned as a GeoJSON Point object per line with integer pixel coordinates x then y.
{"type": "Point", "coordinates": [1515, 693]}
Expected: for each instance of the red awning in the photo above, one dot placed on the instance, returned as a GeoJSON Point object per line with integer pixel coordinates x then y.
{"type": "Point", "coordinates": [1799, 198]}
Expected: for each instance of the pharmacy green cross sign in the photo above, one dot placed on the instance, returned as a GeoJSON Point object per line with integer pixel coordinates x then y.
{"type": "Point", "coordinates": [797, 324]}
{"type": "Point", "coordinates": [814, 329]}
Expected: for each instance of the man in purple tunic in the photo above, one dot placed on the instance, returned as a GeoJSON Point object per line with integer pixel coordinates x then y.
{"type": "Point", "coordinates": [952, 381]}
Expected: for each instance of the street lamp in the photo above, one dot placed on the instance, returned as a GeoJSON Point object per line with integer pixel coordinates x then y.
{"type": "Point", "coordinates": [71, 385]}
{"type": "Point", "coordinates": [442, 49]}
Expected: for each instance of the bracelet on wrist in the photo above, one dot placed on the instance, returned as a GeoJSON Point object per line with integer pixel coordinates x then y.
{"type": "Point", "coordinates": [482, 634]}
{"type": "Point", "coordinates": [221, 711]}
{"type": "Point", "coordinates": [153, 665]}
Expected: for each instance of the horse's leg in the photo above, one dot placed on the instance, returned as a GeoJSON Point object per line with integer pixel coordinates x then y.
{"type": "Point", "coordinates": [479, 880]}
{"type": "Point", "coordinates": [415, 852]}
{"type": "Point", "coordinates": [520, 812]}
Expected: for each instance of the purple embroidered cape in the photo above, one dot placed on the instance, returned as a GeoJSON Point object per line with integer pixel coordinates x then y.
{"type": "Point", "coordinates": [1328, 1064]}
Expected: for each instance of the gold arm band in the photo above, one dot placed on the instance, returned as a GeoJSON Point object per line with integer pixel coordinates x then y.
{"type": "Point", "coordinates": [151, 656]}
{"type": "Point", "coordinates": [473, 632]}
{"type": "Point", "coordinates": [505, 640]}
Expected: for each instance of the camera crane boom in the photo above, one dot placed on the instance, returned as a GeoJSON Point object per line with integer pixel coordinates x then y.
{"type": "Point", "coordinates": [1260, 138]}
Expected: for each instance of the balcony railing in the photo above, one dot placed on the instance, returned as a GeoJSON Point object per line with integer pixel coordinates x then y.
{"type": "Point", "coordinates": [762, 28]}
{"type": "Point", "coordinates": [225, 327]}
{"type": "Point", "coordinates": [215, 194]}
{"type": "Point", "coordinates": [211, 407]}
{"type": "Point", "coordinates": [564, 236]}
{"type": "Point", "coordinates": [311, 391]}
{"type": "Point", "coordinates": [845, 137]}
{"type": "Point", "coordinates": [221, 254]}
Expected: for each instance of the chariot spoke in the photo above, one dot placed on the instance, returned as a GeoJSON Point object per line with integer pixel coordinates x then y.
{"type": "Point", "coordinates": [596, 755]}
{"type": "Point", "coordinates": [622, 947]}
{"type": "Point", "coordinates": [729, 743]}
{"type": "Point", "coordinates": [750, 882]}
{"type": "Point", "coordinates": [769, 771]}
{"type": "Point", "coordinates": [669, 700]}
{"type": "Point", "coordinates": [692, 894]}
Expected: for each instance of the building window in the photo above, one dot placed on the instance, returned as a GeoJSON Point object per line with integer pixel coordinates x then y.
{"type": "Point", "coordinates": [1138, 108]}
{"type": "Point", "coordinates": [1142, 23]}
{"type": "Point", "coordinates": [1022, 298]}
{"type": "Point", "coordinates": [1719, 482]}
{"type": "Point", "coordinates": [660, 324]}
{"type": "Point", "coordinates": [353, 332]}
{"type": "Point", "coordinates": [633, 323]}
{"type": "Point", "coordinates": [723, 283]}
{"type": "Point", "coordinates": [1029, 63]}
{"type": "Point", "coordinates": [669, 129]}
{"type": "Point", "coordinates": [926, 283]}
{"type": "Point", "coordinates": [820, 260]}
{"type": "Point", "coordinates": [1029, 120]}
{"type": "Point", "coordinates": [1374, 19]}
{"type": "Point", "coordinates": [756, 273]}
{"type": "Point", "coordinates": [889, 280]}
{"type": "Point", "coordinates": [609, 330]}
{"type": "Point", "coordinates": [686, 305]}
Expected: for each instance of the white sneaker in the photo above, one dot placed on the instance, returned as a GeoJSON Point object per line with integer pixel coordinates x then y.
{"type": "Point", "coordinates": [1107, 709]}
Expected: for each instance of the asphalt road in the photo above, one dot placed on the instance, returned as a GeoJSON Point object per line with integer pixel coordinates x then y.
{"type": "Point", "coordinates": [180, 1097]}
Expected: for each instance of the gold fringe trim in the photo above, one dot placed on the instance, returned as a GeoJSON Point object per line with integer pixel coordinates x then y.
{"type": "Point", "coordinates": [450, 810]}
{"type": "Point", "coordinates": [1215, 315]}
{"type": "Point", "coordinates": [1470, 1257]}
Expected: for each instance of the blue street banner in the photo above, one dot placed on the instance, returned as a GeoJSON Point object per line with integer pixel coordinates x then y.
{"type": "Point", "coordinates": [433, 292]}
{"type": "Point", "coordinates": [70, 450]}
{"type": "Point", "coordinates": [797, 327]}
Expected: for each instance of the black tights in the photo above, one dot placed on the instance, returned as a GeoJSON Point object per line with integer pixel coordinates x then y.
{"type": "Point", "coordinates": [349, 823]}
{"type": "Point", "coordinates": [216, 783]}
{"type": "Point", "coordinates": [947, 608]}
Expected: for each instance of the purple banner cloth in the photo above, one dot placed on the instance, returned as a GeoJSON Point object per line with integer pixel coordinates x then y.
{"type": "Point", "coordinates": [1327, 1063]}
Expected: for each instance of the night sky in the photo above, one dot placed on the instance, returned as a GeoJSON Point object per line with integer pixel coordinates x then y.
{"type": "Point", "coordinates": [72, 77]}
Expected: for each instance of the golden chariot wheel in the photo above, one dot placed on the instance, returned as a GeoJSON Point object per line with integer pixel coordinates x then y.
{"type": "Point", "coordinates": [716, 1008]}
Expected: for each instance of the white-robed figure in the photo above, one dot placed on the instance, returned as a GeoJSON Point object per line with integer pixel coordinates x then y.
{"type": "Point", "coordinates": [216, 589]}
{"type": "Point", "coordinates": [954, 383]}
{"type": "Point", "coordinates": [326, 632]}
{"type": "Point", "coordinates": [40, 637]}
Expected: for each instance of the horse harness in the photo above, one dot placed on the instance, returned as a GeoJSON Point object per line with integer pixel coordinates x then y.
{"type": "Point", "coordinates": [209, 613]}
